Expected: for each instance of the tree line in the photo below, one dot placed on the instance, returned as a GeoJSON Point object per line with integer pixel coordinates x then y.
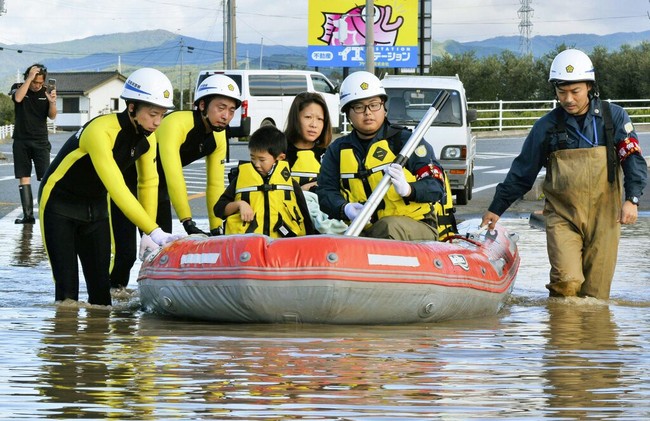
{"type": "Point", "coordinates": [622, 74]}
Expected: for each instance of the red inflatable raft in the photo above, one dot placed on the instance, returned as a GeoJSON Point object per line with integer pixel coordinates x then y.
{"type": "Point", "coordinates": [329, 279]}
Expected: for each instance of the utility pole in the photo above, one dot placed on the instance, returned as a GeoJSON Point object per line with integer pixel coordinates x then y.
{"type": "Point", "coordinates": [189, 50]}
{"type": "Point", "coordinates": [232, 35]}
{"type": "Point", "coordinates": [181, 102]}
{"type": "Point", "coordinates": [225, 34]}
{"type": "Point", "coordinates": [370, 36]}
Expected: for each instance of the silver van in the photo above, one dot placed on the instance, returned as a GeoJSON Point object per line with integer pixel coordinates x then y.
{"type": "Point", "coordinates": [450, 135]}
{"type": "Point", "coordinates": [267, 96]}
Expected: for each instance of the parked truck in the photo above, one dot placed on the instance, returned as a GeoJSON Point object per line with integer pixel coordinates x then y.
{"type": "Point", "coordinates": [450, 135]}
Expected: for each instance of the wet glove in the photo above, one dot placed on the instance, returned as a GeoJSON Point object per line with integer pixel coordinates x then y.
{"type": "Point", "coordinates": [397, 177]}
{"type": "Point", "coordinates": [161, 237]}
{"type": "Point", "coordinates": [352, 210]}
{"type": "Point", "coordinates": [147, 246]}
{"type": "Point", "coordinates": [191, 228]}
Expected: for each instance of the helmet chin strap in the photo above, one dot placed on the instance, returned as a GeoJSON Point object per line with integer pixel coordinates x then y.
{"type": "Point", "coordinates": [138, 126]}
{"type": "Point", "coordinates": [214, 128]}
{"type": "Point", "coordinates": [141, 129]}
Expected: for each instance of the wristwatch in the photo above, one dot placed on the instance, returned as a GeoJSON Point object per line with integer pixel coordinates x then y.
{"type": "Point", "coordinates": [633, 199]}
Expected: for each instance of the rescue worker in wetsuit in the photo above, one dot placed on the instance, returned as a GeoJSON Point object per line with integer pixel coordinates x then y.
{"type": "Point", "coordinates": [264, 198]}
{"type": "Point", "coordinates": [583, 144]}
{"type": "Point", "coordinates": [183, 137]}
{"type": "Point", "coordinates": [74, 210]}
{"type": "Point", "coordinates": [354, 164]}
{"type": "Point", "coordinates": [309, 133]}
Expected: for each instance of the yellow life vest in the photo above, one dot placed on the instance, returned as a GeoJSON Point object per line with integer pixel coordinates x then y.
{"type": "Point", "coordinates": [359, 181]}
{"type": "Point", "coordinates": [306, 168]}
{"type": "Point", "coordinates": [445, 214]}
{"type": "Point", "coordinates": [274, 202]}
{"type": "Point", "coordinates": [357, 185]}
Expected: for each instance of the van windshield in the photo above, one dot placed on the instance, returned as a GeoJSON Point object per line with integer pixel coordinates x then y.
{"type": "Point", "coordinates": [407, 106]}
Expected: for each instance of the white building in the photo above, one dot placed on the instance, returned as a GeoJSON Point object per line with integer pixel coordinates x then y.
{"type": "Point", "coordinates": [82, 96]}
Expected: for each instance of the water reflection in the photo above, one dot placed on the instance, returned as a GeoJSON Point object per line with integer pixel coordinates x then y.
{"type": "Point", "coordinates": [86, 363]}
{"type": "Point", "coordinates": [537, 359]}
{"type": "Point", "coordinates": [583, 379]}
{"type": "Point", "coordinates": [29, 249]}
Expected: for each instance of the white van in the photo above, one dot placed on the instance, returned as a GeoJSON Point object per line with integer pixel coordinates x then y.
{"type": "Point", "coordinates": [410, 97]}
{"type": "Point", "coordinates": [267, 96]}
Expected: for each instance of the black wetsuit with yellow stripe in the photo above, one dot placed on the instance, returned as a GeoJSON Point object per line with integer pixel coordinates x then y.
{"type": "Point", "coordinates": [73, 199]}
{"type": "Point", "coordinates": [181, 140]}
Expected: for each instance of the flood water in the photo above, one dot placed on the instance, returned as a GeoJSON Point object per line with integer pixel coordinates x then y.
{"type": "Point", "coordinates": [539, 358]}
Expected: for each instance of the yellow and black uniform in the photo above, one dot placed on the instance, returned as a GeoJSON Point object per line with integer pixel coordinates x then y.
{"type": "Point", "coordinates": [74, 211]}
{"type": "Point", "coordinates": [352, 168]}
{"type": "Point", "coordinates": [279, 205]}
{"type": "Point", "coordinates": [305, 163]}
{"type": "Point", "coordinates": [181, 140]}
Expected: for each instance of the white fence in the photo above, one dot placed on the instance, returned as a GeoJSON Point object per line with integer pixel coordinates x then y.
{"type": "Point", "coordinates": [510, 115]}
{"type": "Point", "coordinates": [8, 129]}
{"type": "Point", "coordinates": [513, 115]}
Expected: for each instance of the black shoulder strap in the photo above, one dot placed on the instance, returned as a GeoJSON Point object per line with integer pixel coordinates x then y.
{"type": "Point", "coordinates": [559, 129]}
{"type": "Point", "coordinates": [612, 159]}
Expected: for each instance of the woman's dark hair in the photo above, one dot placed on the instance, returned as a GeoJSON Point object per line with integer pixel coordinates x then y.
{"type": "Point", "coordinates": [299, 103]}
{"type": "Point", "coordinates": [42, 71]}
{"type": "Point", "coordinates": [268, 138]}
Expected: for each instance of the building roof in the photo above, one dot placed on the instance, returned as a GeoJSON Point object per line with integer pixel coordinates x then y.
{"type": "Point", "coordinates": [79, 83]}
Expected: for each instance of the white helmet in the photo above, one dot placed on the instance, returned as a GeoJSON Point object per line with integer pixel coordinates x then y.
{"type": "Point", "coordinates": [150, 86]}
{"type": "Point", "coordinates": [360, 85]}
{"type": "Point", "coordinates": [218, 85]}
{"type": "Point", "coordinates": [571, 66]}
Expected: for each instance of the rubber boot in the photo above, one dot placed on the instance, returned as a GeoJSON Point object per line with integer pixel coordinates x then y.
{"type": "Point", "coordinates": [27, 200]}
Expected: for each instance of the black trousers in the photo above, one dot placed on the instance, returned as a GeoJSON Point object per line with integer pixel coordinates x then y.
{"type": "Point", "coordinates": [125, 233]}
{"type": "Point", "coordinates": [69, 241]}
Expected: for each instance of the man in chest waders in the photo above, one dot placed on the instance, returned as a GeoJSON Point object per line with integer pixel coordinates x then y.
{"type": "Point", "coordinates": [583, 144]}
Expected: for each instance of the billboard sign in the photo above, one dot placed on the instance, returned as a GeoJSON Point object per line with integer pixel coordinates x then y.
{"type": "Point", "coordinates": [337, 33]}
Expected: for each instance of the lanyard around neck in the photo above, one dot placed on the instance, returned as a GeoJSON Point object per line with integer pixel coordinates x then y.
{"type": "Point", "coordinates": [593, 143]}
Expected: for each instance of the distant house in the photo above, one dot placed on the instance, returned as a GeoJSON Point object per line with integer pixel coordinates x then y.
{"type": "Point", "coordinates": [82, 96]}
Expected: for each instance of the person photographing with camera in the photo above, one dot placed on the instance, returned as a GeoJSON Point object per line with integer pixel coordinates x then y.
{"type": "Point", "coordinates": [33, 104]}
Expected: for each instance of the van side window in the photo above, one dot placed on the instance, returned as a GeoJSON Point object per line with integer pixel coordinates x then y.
{"type": "Point", "coordinates": [322, 85]}
{"type": "Point", "coordinates": [264, 85]}
{"type": "Point", "coordinates": [292, 85]}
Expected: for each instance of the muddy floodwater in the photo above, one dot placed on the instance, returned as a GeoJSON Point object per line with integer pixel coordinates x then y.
{"type": "Point", "coordinates": [539, 358]}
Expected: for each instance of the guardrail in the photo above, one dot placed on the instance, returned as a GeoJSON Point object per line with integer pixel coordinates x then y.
{"type": "Point", "coordinates": [512, 115]}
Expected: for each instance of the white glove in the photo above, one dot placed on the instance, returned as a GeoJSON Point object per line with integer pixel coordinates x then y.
{"type": "Point", "coordinates": [147, 246]}
{"type": "Point", "coordinates": [161, 237]}
{"type": "Point", "coordinates": [397, 177]}
{"type": "Point", "coordinates": [352, 210]}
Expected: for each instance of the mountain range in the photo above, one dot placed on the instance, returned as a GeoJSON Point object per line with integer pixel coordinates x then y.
{"type": "Point", "coordinates": [169, 52]}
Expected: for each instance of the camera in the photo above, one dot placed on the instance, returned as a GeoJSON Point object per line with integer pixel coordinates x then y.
{"type": "Point", "coordinates": [51, 85]}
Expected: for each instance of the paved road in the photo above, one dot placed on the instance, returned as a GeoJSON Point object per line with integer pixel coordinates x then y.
{"type": "Point", "coordinates": [495, 154]}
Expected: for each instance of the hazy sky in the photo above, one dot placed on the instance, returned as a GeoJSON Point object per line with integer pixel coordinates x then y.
{"type": "Point", "coordinates": [284, 21]}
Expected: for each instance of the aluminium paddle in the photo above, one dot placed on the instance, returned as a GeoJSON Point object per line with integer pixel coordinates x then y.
{"type": "Point", "coordinates": [409, 147]}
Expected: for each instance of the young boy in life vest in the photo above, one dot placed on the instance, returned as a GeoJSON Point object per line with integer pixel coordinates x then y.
{"type": "Point", "coordinates": [264, 198]}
